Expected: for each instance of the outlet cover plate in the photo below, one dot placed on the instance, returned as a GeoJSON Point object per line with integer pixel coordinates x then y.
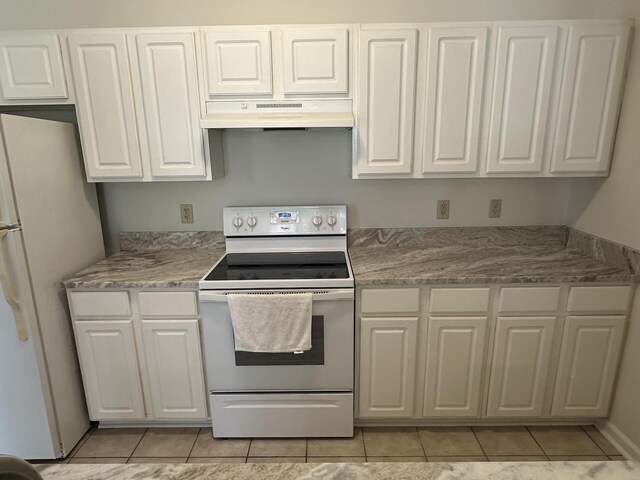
{"type": "Point", "coordinates": [186, 213]}
{"type": "Point", "coordinates": [495, 208]}
{"type": "Point", "coordinates": [442, 210]}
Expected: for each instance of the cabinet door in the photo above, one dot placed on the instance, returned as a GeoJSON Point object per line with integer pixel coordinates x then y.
{"type": "Point", "coordinates": [387, 366]}
{"type": "Point", "coordinates": [455, 355]}
{"type": "Point", "coordinates": [105, 105]}
{"type": "Point", "coordinates": [386, 98]}
{"type": "Point", "coordinates": [107, 354]}
{"type": "Point", "coordinates": [588, 363]}
{"type": "Point", "coordinates": [174, 361]}
{"type": "Point", "coordinates": [315, 60]}
{"type": "Point", "coordinates": [169, 84]}
{"type": "Point", "coordinates": [590, 98]}
{"type": "Point", "coordinates": [455, 82]}
{"type": "Point", "coordinates": [238, 61]}
{"type": "Point", "coordinates": [31, 67]}
{"type": "Point", "coordinates": [520, 366]}
{"type": "Point", "coordinates": [525, 59]}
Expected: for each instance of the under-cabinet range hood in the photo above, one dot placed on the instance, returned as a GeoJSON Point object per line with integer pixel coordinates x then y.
{"type": "Point", "coordinates": [279, 114]}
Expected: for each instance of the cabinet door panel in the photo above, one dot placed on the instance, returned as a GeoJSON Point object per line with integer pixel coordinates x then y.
{"type": "Point", "coordinates": [590, 98]}
{"type": "Point", "coordinates": [169, 81]}
{"type": "Point", "coordinates": [387, 366]}
{"type": "Point", "coordinates": [588, 363]}
{"type": "Point", "coordinates": [173, 357]}
{"type": "Point", "coordinates": [520, 366]}
{"type": "Point", "coordinates": [238, 62]}
{"type": "Point", "coordinates": [316, 61]}
{"type": "Point", "coordinates": [385, 112]}
{"type": "Point", "coordinates": [455, 82]}
{"type": "Point", "coordinates": [455, 355]}
{"type": "Point", "coordinates": [105, 105]}
{"type": "Point", "coordinates": [31, 67]}
{"type": "Point", "coordinates": [110, 372]}
{"type": "Point", "coordinates": [522, 91]}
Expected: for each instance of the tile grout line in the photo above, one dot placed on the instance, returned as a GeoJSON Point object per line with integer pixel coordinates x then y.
{"type": "Point", "coordinates": [590, 438]}
{"type": "Point", "coordinates": [479, 444]}
{"type": "Point", "coordinates": [137, 445]}
{"type": "Point", "coordinates": [424, 452]}
{"type": "Point", "coordinates": [194, 443]}
{"type": "Point", "coordinates": [526, 427]}
{"type": "Point", "coordinates": [246, 457]}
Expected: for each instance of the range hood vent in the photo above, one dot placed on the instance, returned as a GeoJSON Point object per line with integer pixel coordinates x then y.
{"type": "Point", "coordinates": [280, 114]}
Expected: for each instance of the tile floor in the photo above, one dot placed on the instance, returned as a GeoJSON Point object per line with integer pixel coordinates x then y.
{"type": "Point", "coordinates": [433, 444]}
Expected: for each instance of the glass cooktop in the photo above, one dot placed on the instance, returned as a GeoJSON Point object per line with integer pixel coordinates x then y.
{"type": "Point", "coordinates": [280, 266]}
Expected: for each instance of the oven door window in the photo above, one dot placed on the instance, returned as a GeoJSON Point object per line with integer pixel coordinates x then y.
{"type": "Point", "coordinates": [315, 356]}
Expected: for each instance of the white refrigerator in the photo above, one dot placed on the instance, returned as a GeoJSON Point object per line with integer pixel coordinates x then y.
{"type": "Point", "coordinates": [49, 229]}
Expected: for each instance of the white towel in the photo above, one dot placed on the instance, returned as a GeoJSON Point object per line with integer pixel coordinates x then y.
{"type": "Point", "coordinates": [278, 323]}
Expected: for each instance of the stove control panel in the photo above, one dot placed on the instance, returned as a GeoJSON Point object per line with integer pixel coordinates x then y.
{"type": "Point", "coordinates": [282, 221]}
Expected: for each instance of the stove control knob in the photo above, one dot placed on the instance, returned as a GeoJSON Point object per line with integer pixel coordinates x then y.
{"type": "Point", "coordinates": [316, 220]}
{"type": "Point", "coordinates": [252, 221]}
{"type": "Point", "coordinates": [332, 220]}
{"type": "Point", "coordinates": [237, 222]}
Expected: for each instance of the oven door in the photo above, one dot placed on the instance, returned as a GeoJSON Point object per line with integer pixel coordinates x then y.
{"type": "Point", "coordinates": [328, 366]}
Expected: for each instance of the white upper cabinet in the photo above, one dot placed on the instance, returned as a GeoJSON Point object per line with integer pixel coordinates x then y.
{"type": "Point", "coordinates": [238, 61]}
{"type": "Point", "coordinates": [169, 86]}
{"type": "Point", "coordinates": [524, 67]}
{"type": "Point", "coordinates": [105, 105]}
{"type": "Point", "coordinates": [456, 58]}
{"type": "Point", "coordinates": [590, 97]}
{"type": "Point", "coordinates": [31, 68]}
{"type": "Point", "coordinates": [386, 101]}
{"type": "Point", "coordinates": [315, 60]}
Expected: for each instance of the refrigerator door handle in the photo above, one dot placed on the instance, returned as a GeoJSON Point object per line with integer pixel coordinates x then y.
{"type": "Point", "coordinates": [11, 298]}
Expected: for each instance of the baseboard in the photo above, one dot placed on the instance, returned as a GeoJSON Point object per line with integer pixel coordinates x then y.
{"type": "Point", "coordinates": [452, 422]}
{"type": "Point", "coordinates": [618, 439]}
{"type": "Point", "coordinates": [155, 424]}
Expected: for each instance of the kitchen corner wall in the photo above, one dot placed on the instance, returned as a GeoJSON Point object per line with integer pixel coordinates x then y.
{"type": "Point", "coordinates": [610, 208]}
{"type": "Point", "coordinates": [313, 167]}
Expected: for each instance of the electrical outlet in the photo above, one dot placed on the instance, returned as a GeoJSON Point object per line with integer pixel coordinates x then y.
{"type": "Point", "coordinates": [495, 208]}
{"type": "Point", "coordinates": [442, 210]}
{"type": "Point", "coordinates": [186, 213]}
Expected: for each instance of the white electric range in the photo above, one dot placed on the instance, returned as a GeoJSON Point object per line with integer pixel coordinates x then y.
{"type": "Point", "coordinates": [282, 250]}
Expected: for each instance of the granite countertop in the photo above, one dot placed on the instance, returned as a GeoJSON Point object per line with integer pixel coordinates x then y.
{"type": "Point", "coordinates": [386, 256]}
{"type": "Point", "coordinates": [351, 471]}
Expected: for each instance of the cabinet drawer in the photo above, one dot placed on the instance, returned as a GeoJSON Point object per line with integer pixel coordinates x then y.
{"type": "Point", "coordinates": [459, 300]}
{"type": "Point", "coordinates": [527, 299]}
{"type": "Point", "coordinates": [390, 300]}
{"type": "Point", "coordinates": [168, 304]}
{"type": "Point", "coordinates": [100, 304]}
{"type": "Point", "coordinates": [599, 299]}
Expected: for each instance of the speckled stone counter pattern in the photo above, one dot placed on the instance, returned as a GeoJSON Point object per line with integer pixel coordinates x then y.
{"type": "Point", "coordinates": [474, 255]}
{"type": "Point", "coordinates": [147, 241]}
{"type": "Point", "coordinates": [605, 251]}
{"type": "Point", "coordinates": [349, 471]}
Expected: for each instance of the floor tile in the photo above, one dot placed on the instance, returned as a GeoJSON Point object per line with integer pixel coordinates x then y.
{"type": "Point", "coordinates": [336, 459]}
{"type": "Point", "coordinates": [167, 442]}
{"type": "Point", "coordinates": [619, 458]}
{"type": "Point", "coordinates": [517, 458]}
{"type": "Point", "coordinates": [289, 447]}
{"type": "Point", "coordinates": [578, 458]}
{"type": "Point", "coordinates": [392, 442]}
{"type": "Point", "coordinates": [337, 447]}
{"type": "Point", "coordinates": [82, 441]}
{"type": "Point", "coordinates": [157, 460]}
{"type": "Point", "coordinates": [507, 441]}
{"type": "Point", "coordinates": [456, 459]}
{"type": "Point", "coordinates": [442, 441]}
{"type": "Point", "coordinates": [276, 460]}
{"type": "Point", "coordinates": [111, 442]}
{"type": "Point", "coordinates": [98, 460]}
{"type": "Point", "coordinates": [601, 440]}
{"type": "Point", "coordinates": [565, 441]}
{"type": "Point", "coordinates": [217, 460]}
{"type": "Point", "coordinates": [396, 459]}
{"type": "Point", "coordinates": [207, 446]}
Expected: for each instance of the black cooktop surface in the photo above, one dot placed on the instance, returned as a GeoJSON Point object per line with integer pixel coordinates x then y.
{"type": "Point", "coordinates": [280, 266]}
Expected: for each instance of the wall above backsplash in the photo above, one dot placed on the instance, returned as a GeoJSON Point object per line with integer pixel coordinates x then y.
{"type": "Point", "coordinates": [312, 167]}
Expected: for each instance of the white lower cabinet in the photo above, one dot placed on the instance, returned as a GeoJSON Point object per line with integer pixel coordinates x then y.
{"type": "Point", "coordinates": [455, 357]}
{"type": "Point", "coordinates": [110, 369]}
{"type": "Point", "coordinates": [520, 366]}
{"type": "Point", "coordinates": [138, 367]}
{"type": "Point", "coordinates": [172, 352]}
{"type": "Point", "coordinates": [387, 366]}
{"type": "Point", "coordinates": [591, 348]}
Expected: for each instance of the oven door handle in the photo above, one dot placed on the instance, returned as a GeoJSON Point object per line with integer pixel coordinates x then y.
{"type": "Point", "coordinates": [318, 296]}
